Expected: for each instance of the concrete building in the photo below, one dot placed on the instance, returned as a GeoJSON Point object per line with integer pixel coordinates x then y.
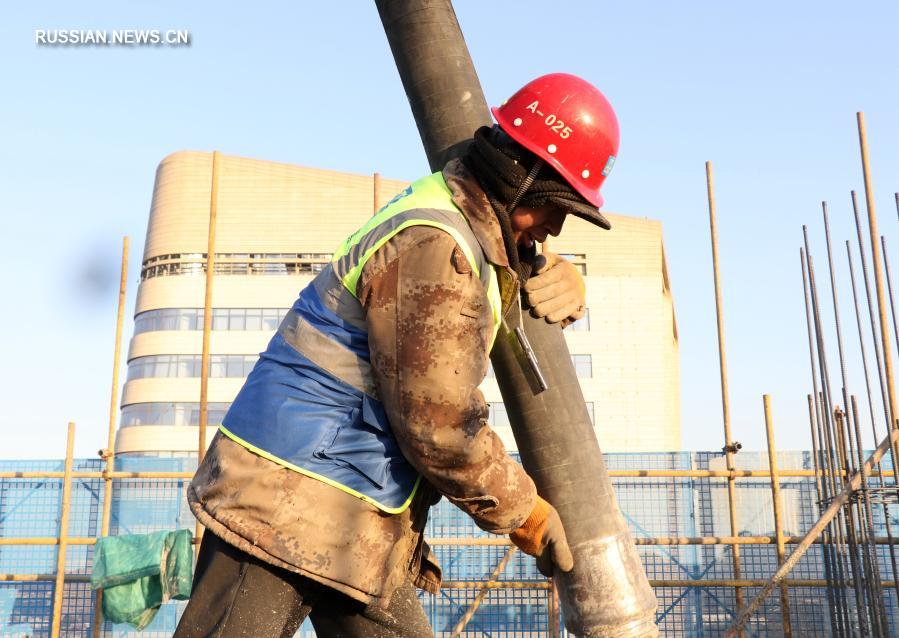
{"type": "Point", "coordinates": [278, 224]}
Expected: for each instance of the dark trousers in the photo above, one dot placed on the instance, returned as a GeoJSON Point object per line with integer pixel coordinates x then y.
{"type": "Point", "coordinates": [235, 594]}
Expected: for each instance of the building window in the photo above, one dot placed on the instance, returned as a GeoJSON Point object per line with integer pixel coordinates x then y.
{"type": "Point", "coordinates": [172, 413]}
{"type": "Point", "coordinates": [578, 259]}
{"type": "Point", "coordinates": [583, 365]}
{"type": "Point", "coordinates": [249, 319]}
{"type": "Point", "coordinates": [582, 324]}
{"type": "Point", "coordinates": [497, 416]}
{"type": "Point", "coordinates": [236, 264]}
{"type": "Point", "coordinates": [188, 365]}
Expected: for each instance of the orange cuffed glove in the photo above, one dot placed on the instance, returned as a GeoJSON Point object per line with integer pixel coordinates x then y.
{"type": "Point", "coordinates": [542, 536]}
{"type": "Point", "coordinates": [556, 290]}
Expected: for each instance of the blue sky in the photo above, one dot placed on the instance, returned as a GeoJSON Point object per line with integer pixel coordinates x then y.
{"type": "Point", "coordinates": [768, 91]}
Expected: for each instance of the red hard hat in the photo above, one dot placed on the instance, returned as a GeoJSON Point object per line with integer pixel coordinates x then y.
{"type": "Point", "coordinates": [569, 124]}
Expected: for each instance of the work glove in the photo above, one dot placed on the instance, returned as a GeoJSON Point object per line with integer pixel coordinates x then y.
{"type": "Point", "coordinates": [543, 537]}
{"type": "Point", "coordinates": [556, 290]}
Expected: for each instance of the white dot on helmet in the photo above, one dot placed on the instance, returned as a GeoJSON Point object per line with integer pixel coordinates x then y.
{"type": "Point", "coordinates": [517, 121]}
{"type": "Point", "coordinates": [551, 148]}
{"type": "Point", "coordinates": [585, 173]}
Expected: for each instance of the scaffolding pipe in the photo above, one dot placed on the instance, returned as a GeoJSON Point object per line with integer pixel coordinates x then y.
{"type": "Point", "coordinates": [207, 310]}
{"type": "Point", "coordinates": [886, 267]}
{"type": "Point", "coordinates": [736, 474]}
{"type": "Point", "coordinates": [207, 321]}
{"type": "Point", "coordinates": [878, 278]}
{"type": "Point", "coordinates": [607, 593]}
{"type": "Point", "coordinates": [502, 584]}
{"type": "Point", "coordinates": [490, 541]}
{"type": "Point", "coordinates": [59, 588]}
{"type": "Point", "coordinates": [879, 285]}
{"type": "Point", "coordinates": [482, 593]}
{"type": "Point", "coordinates": [778, 513]}
{"type": "Point", "coordinates": [725, 402]}
{"type": "Point", "coordinates": [375, 193]}
{"type": "Point", "coordinates": [108, 454]}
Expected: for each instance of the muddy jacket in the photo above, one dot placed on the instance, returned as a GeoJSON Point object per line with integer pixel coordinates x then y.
{"type": "Point", "coordinates": [429, 324]}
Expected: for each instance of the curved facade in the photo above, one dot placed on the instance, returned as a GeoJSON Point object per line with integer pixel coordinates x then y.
{"type": "Point", "coordinates": [277, 225]}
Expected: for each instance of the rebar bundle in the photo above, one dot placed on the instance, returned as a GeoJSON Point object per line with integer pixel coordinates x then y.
{"type": "Point", "coordinates": [853, 502]}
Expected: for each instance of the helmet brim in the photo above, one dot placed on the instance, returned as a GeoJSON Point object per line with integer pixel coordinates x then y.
{"type": "Point", "coordinates": [583, 210]}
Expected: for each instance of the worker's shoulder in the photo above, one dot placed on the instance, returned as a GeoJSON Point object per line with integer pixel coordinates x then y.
{"type": "Point", "coordinates": [424, 237]}
{"type": "Point", "coordinates": [428, 253]}
{"type": "Point", "coordinates": [416, 252]}
{"type": "Point", "coordinates": [422, 242]}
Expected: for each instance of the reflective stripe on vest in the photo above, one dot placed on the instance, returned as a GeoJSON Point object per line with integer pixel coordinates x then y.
{"type": "Point", "coordinates": [310, 403]}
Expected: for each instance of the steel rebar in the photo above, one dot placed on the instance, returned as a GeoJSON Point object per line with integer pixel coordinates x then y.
{"type": "Point", "coordinates": [871, 316]}
{"type": "Point", "coordinates": [839, 430]}
{"type": "Point", "coordinates": [878, 611]}
{"type": "Point", "coordinates": [836, 504]}
{"type": "Point", "coordinates": [880, 378]}
{"type": "Point", "coordinates": [850, 517]}
{"type": "Point", "coordinates": [841, 561]}
{"type": "Point", "coordinates": [827, 551]}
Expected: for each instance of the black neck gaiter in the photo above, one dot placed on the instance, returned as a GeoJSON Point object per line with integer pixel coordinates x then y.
{"type": "Point", "coordinates": [501, 165]}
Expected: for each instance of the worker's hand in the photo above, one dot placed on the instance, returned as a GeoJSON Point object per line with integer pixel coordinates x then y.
{"type": "Point", "coordinates": [556, 290]}
{"type": "Point", "coordinates": [543, 537]}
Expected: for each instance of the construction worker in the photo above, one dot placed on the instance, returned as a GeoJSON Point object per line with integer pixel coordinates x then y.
{"type": "Point", "coordinates": [364, 409]}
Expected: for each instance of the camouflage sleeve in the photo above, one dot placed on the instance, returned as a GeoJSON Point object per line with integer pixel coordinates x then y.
{"type": "Point", "coordinates": [429, 324]}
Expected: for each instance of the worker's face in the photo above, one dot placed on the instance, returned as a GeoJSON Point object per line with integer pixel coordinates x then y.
{"type": "Point", "coordinates": [534, 224]}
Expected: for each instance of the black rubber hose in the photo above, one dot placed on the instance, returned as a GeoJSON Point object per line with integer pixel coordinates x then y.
{"type": "Point", "coordinates": [607, 593]}
{"type": "Point", "coordinates": [437, 73]}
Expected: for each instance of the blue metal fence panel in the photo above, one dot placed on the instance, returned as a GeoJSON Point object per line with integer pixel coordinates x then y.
{"type": "Point", "coordinates": [652, 507]}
